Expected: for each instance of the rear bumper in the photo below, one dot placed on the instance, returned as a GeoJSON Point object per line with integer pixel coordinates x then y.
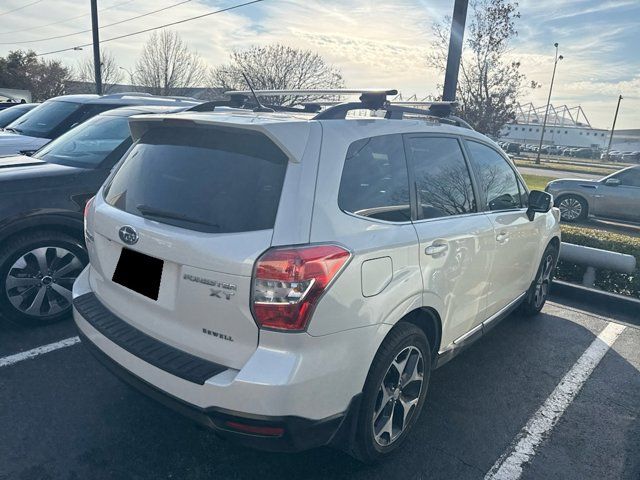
{"type": "Point", "coordinates": [302, 397]}
{"type": "Point", "coordinates": [297, 433]}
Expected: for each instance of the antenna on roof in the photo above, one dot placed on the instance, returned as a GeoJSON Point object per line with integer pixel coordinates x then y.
{"type": "Point", "coordinates": [260, 107]}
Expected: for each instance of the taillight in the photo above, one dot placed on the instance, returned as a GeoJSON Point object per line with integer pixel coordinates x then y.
{"type": "Point", "coordinates": [87, 206]}
{"type": "Point", "coordinates": [288, 282]}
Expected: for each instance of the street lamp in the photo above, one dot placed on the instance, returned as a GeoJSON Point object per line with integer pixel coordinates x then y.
{"type": "Point", "coordinates": [129, 72]}
{"type": "Point", "coordinates": [544, 123]}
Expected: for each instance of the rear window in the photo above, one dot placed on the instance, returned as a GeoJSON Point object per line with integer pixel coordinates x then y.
{"type": "Point", "coordinates": [44, 119]}
{"type": "Point", "coordinates": [204, 179]}
{"type": "Point", "coordinates": [89, 144]}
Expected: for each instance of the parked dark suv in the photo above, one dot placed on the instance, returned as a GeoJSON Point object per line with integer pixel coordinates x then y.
{"type": "Point", "coordinates": [11, 114]}
{"type": "Point", "coordinates": [58, 115]}
{"type": "Point", "coordinates": [42, 198]}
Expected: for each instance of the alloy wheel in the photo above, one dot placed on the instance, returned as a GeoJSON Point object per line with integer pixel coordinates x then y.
{"type": "Point", "coordinates": [570, 208]}
{"type": "Point", "coordinates": [543, 281]}
{"type": "Point", "coordinates": [398, 396]}
{"type": "Point", "coordinates": [39, 282]}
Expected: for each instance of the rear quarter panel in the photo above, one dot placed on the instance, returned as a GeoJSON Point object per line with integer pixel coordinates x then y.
{"type": "Point", "coordinates": [344, 306]}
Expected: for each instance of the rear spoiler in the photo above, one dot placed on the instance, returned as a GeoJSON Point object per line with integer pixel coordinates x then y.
{"type": "Point", "coordinates": [293, 144]}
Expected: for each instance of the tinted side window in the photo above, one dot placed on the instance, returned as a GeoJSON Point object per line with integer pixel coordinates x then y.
{"type": "Point", "coordinates": [498, 181]}
{"type": "Point", "coordinates": [375, 182]}
{"type": "Point", "coordinates": [524, 195]}
{"type": "Point", "coordinates": [630, 178]}
{"type": "Point", "coordinates": [442, 178]}
{"type": "Point", "coordinates": [84, 113]}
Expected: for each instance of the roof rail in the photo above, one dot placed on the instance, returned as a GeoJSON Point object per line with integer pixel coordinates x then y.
{"type": "Point", "coordinates": [126, 94]}
{"type": "Point", "coordinates": [441, 111]}
{"type": "Point", "coordinates": [370, 99]}
{"type": "Point", "coordinates": [313, 92]}
{"type": "Point", "coordinates": [146, 95]}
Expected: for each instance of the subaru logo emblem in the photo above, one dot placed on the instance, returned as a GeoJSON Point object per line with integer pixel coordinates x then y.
{"type": "Point", "coordinates": [128, 234]}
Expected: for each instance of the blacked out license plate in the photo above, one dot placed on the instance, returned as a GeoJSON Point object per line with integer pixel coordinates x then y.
{"type": "Point", "coordinates": [139, 272]}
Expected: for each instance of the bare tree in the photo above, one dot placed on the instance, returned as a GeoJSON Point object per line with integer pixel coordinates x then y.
{"type": "Point", "coordinates": [167, 66]}
{"type": "Point", "coordinates": [277, 67]}
{"type": "Point", "coordinates": [111, 73]}
{"type": "Point", "coordinates": [488, 84]}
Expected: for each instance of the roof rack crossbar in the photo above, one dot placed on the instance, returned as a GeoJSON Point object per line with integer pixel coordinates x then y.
{"type": "Point", "coordinates": [146, 95]}
{"type": "Point", "coordinates": [313, 92]}
{"type": "Point", "coordinates": [244, 103]}
{"type": "Point", "coordinates": [439, 110]}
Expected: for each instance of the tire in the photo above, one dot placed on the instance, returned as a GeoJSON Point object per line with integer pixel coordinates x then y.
{"type": "Point", "coordinates": [37, 271]}
{"type": "Point", "coordinates": [407, 346]}
{"type": "Point", "coordinates": [572, 208]}
{"type": "Point", "coordinates": [539, 290]}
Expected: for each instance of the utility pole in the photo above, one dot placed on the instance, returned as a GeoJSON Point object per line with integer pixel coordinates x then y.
{"type": "Point", "coordinates": [546, 112]}
{"type": "Point", "coordinates": [615, 117]}
{"type": "Point", "coordinates": [97, 67]}
{"type": "Point", "coordinates": [455, 50]}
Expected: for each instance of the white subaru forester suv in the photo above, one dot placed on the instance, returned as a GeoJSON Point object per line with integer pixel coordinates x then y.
{"type": "Point", "coordinates": [290, 280]}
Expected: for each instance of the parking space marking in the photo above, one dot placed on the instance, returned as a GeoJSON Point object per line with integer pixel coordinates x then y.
{"type": "Point", "coordinates": [34, 352]}
{"type": "Point", "coordinates": [523, 448]}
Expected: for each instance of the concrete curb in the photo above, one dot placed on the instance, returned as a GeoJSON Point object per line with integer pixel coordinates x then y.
{"type": "Point", "coordinates": [609, 303]}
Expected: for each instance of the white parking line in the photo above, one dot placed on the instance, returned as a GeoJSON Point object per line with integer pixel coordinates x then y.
{"type": "Point", "coordinates": [538, 428]}
{"type": "Point", "coordinates": [34, 352]}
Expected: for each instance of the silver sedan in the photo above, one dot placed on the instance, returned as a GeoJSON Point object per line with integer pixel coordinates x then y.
{"type": "Point", "coordinates": [616, 196]}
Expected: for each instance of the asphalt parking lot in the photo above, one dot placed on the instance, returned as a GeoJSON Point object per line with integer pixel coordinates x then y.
{"type": "Point", "coordinates": [63, 416]}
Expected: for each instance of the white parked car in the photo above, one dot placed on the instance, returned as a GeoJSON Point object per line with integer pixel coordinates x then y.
{"type": "Point", "coordinates": [291, 280]}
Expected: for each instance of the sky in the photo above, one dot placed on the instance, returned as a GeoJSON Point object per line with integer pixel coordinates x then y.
{"type": "Point", "coordinates": [373, 43]}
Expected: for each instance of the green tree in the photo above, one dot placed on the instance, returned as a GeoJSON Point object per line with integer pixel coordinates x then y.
{"type": "Point", "coordinates": [25, 71]}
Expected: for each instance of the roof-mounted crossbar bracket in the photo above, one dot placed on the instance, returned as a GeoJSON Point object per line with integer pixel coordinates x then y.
{"type": "Point", "coordinates": [370, 99]}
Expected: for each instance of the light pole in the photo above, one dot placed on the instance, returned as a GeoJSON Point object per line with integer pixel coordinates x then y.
{"type": "Point", "coordinates": [130, 74]}
{"type": "Point", "coordinates": [546, 112]}
{"type": "Point", "coordinates": [613, 127]}
{"type": "Point", "coordinates": [97, 66]}
{"type": "Point", "coordinates": [455, 49]}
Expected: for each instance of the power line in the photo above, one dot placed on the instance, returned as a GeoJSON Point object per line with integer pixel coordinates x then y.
{"type": "Point", "coordinates": [37, 27]}
{"type": "Point", "coordinates": [103, 26]}
{"type": "Point", "coordinates": [20, 8]}
{"type": "Point", "coordinates": [153, 28]}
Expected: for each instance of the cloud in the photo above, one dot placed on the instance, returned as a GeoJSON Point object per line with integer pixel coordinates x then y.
{"type": "Point", "coordinates": [374, 43]}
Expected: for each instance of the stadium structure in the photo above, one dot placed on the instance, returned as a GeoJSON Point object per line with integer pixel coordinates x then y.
{"type": "Point", "coordinates": [566, 126]}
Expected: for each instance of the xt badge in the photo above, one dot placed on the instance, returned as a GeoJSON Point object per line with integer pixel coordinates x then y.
{"type": "Point", "coordinates": [221, 293]}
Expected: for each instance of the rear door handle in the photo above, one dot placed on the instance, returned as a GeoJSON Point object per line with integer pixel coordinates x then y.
{"type": "Point", "coordinates": [502, 237]}
{"type": "Point", "coordinates": [436, 248]}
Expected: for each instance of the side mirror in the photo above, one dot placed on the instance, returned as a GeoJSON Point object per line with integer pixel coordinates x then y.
{"type": "Point", "coordinates": [538, 202]}
{"type": "Point", "coordinates": [612, 182]}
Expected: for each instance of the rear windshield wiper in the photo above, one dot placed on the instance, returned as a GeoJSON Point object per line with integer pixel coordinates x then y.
{"type": "Point", "coordinates": [146, 210]}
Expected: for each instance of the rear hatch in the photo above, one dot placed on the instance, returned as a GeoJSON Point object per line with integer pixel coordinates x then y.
{"type": "Point", "coordinates": [177, 231]}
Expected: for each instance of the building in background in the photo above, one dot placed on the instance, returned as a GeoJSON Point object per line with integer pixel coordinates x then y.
{"type": "Point", "coordinates": [566, 127]}
{"type": "Point", "coordinates": [12, 95]}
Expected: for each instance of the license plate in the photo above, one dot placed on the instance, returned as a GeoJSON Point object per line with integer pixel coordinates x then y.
{"type": "Point", "coordinates": [139, 272]}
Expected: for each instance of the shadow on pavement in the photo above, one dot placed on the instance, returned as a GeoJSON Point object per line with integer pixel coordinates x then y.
{"type": "Point", "coordinates": [71, 419]}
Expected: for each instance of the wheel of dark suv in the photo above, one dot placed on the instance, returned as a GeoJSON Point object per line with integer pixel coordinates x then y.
{"type": "Point", "coordinates": [37, 271]}
{"type": "Point", "coordinates": [572, 208]}
{"type": "Point", "coordinates": [537, 295]}
{"type": "Point", "coordinates": [394, 393]}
